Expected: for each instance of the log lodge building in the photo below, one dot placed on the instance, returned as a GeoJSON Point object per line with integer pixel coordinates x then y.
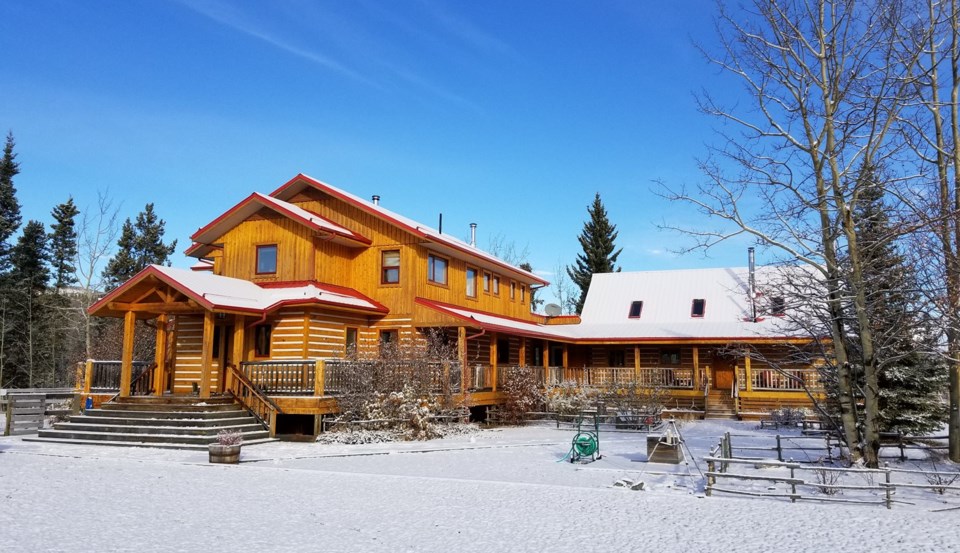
{"type": "Point", "coordinates": [286, 283]}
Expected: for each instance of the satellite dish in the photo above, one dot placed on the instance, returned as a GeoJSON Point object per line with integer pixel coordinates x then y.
{"type": "Point", "coordinates": [552, 309]}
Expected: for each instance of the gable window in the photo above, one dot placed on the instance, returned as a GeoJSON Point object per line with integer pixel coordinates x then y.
{"type": "Point", "coordinates": [486, 283]}
{"type": "Point", "coordinates": [635, 309]}
{"type": "Point", "coordinates": [496, 286]}
{"type": "Point", "coordinates": [436, 269]}
{"type": "Point", "coordinates": [267, 259]}
{"type": "Point", "coordinates": [778, 306]}
{"type": "Point", "coordinates": [390, 267]}
{"type": "Point", "coordinates": [471, 282]}
{"type": "Point", "coordinates": [670, 357]}
{"type": "Point", "coordinates": [261, 340]}
{"type": "Point", "coordinates": [698, 308]}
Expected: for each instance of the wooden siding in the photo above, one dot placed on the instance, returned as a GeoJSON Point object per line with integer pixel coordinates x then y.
{"type": "Point", "coordinates": [187, 360]}
{"type": "Point", "coordinates": [295, 248]}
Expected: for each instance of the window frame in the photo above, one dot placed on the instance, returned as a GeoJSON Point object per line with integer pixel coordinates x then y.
{"type": "Point", "coordinates": [487, 280]}
{"type": "Point", "coordinates": [513, 290]}
{"type": "Point", "coordinates": [495, 287]}
{"type": "Point", "coordinates": [467, 280]}
{"type": "Point", "coordinates": [432, 270]}
{"type": "Point", "coordinates": [382, 344]}
{"type": "Point", "coordinates": [703, 308]}
{"type": "Point", "coordinates": [778, 302]}
{"type": "Point", "coordinates": [276, 259]}
{"type": "Point", "coordinates": [384, 268]}
{"type": "Point", "coordinates": [638, 304]}
{"type": "Point", "coordinates": [664, 352]}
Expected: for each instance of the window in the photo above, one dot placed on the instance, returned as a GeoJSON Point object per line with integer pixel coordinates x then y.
{"type": "Point", "coordinates": [350, 341]}
{"type": "Point", "coordinates": [436, 269]}
{"type": "Point", "coordinates": [523, 293]}
{"type": "Point", "coordinates": [471, 282]}
{"type": "Point", "coordinates": [616, 358]}
{"type": "Point", "coordinates": [635, 309]}
{"type": "Point", "coordinates": [390, 267]}
{"type": "Point", "coordinates": [496, 286]}
{"type": "Point", "coordinates": [389, 341]}
{"type": "Point", "coordinates": [503, 351]}
{"type": "Point", "coordinates": [267, 259]}
{"type": "Point", "coordinates": [778, 306]}
{"type": "Point", "coordinates": [261, 340]}
{"type": "Point", "coordinates": [698, 308]}
{"type": "Point", "coordinates": [486, 283]}
{"type": "Point", "coordinates": [670, 357]}
{"type": "Point", "coordinates": [513, 290]}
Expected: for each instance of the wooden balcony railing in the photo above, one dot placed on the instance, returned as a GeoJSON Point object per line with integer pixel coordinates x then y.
{"type": "Point", "coordinates": [103, 377]}
{"type": "Point", "coordinates": [665, 377]}
{"type": "Point", "coordinates": [282, 377]}
{"type": "Point", "coordinates": [786, 379]}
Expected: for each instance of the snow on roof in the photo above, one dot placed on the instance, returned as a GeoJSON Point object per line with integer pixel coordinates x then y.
{"type": "Point", "coordinates": [452, 243]}
{"type": "Point", "coordinates": [220, 292]}
{"type": "Point", "coordinates": [256, 201]}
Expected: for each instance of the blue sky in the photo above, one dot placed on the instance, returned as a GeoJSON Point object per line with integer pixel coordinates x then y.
{"type": "Point", "coordinates": [508, 114]}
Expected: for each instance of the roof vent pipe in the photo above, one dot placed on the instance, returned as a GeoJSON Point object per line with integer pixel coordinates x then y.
{"type": "Point", "coordinates": [751, 264]}
{"type": "Point", "coordinates": [376, 199]}
{"type": "Point", "coordinates": [473, 234]}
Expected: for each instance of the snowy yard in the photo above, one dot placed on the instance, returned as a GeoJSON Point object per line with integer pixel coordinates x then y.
{"type": "Point", "coordinates": [497, 490]}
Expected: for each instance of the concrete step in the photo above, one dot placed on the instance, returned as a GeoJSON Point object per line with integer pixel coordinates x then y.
{"type": "Point", "coordinates": [169, 419]}
{"type": "Point", "coordinates": [176, 400]}
{"type": "Point", "coordinates": [142, 438]}
{"type": "Point", "coordinates": [233, 412]}
{"type": "Point", "coordinates": [155, 406]}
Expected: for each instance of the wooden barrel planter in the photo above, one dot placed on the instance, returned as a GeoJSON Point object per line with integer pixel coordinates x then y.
{"type": "Point", "coordinates": [226, 454]}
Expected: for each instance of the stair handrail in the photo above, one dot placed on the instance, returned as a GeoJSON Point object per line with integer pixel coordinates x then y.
{"type": "Point", "coordinates": [252, 397]}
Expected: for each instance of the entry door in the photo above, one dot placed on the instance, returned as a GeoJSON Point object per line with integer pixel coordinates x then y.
{"type": "Point", "coordinates": [223, 352]}
{"type": "Point", "coordinates": [723, 375]}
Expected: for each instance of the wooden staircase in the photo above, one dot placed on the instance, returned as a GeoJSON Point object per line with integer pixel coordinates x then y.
{"type": "Point", "coordinates": [171, 422]}
{"type": "Point", "coordinates": [719, 405]}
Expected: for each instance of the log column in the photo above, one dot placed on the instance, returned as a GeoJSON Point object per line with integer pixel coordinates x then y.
{"type": "Point", "coordinates": [239, 349]}
{"type": "Point", "coordinates": [493, 360]}
{"type": "Point", "coordinates": [206, 352]}
{"type": "Point", "coordinates": [523, 353]}
{"type": "Point", "coordinates": [126, 360]}
{"type": "Point", "coordinates": [160, 372]}
{"type": "Point", "coordinates": [462, 356]}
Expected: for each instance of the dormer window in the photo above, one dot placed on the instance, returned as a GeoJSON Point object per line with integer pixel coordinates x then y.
{"type": "Point", "coordinates": [778, 306]}
{"type": "Point", "coordinates": [635, 309]}
{"type": "Point", "coordinates": [698, 308]}
{"type": "Point", "coordinates": [267, 259]}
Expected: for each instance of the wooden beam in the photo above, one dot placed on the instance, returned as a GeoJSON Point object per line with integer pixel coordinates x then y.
{"type": "Point", "coordinates": [636, 362]}
{"type": "Point", "coordinates": [696, 366]}
{"type": "Point", "coordinates": [156, 307]}
{"type": "Point", "coordinates": [126, 359]}
{"type": "Point", "coordinates": [206, 351]}
{"type": "Point", "coordinates": [160, 372]}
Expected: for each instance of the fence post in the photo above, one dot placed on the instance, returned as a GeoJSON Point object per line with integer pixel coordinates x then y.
{"type": "Point", "coordinates": [9, 424]}
{"type": "Point", "coordinates": [793, 483]}
{"type": "Point", "coordinates": [779, 449]}
{"type": "Point", "coordinates": [903, 455]}
{"type": "Point", "coordinates": [829, 450]}
{"type": "Point", "coordinates": [318, 377]}
{"type": "Point", "coordinates": [711, 480]}
{"type": "Point", "coordinates": [727, 450]}
{"type": "Point", "coordinates": [886, 469]}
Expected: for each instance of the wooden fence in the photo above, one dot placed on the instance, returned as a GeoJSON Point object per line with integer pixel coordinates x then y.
{"type": "Point", "coordinates": [26, 409]}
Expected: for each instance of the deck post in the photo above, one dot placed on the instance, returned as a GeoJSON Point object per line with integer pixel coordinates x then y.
{"type": "Point", "coordinates": [318, 377]}
{"type": "Point", "coordinates": [462, 356]}
{"type": "Point", "coordinates": [126, 360]}
{"type": "Point", "coordinates": [160, 372]}
{"type": "Point", "coordinates": [206, 354]}
{"type": "Point", "coordinates": [493, 361]}
{"type": "Point", "coordinates": [748, 373]}
{"type": "Point", "coordinates": [636, 363]}
{"type": "Point", "coordinates": [239, 349]}
{"type": "Point", "coordinates": [523, 352]}
{"type": "Point", "coordinates": [696, 366]}
{"type": "Point", "coordinates": [87, 376]}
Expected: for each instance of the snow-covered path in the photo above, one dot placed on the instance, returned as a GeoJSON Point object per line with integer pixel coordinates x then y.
{"type": "Point", "coordinates": [496, 491]}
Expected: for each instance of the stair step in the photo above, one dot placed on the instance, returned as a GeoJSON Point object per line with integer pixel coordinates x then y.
{"type": "Point", "coordinates": [251, 425]}
{"type": "Point", "coordinates": [180, 446]}
{"type": "Point", "coordinates": [142, 438]}
{"type": "Point", "coordinates": [152, 406]}
{"type": "Point", "coordinates": [241, 418]}
{"type": "Point", "coordinates": [167, 414]}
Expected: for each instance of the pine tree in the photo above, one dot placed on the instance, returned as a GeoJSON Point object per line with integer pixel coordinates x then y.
{"type": "Point", "coordinates": [911, 377]}
{"type": "Point", "coordinates": [141, 244]}
{"type": "Point", "coordinates": [10, 217]}
{"type": "Point", "coordinates": [599, 250]}
{"type": "Point", "coordinates": [63, 244]}
{"type": "Point", "coordinates": [27, 318]}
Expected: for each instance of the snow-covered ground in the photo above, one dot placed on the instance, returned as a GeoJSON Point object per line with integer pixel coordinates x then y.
{"type": "Point", "coordinates": [497, 490]}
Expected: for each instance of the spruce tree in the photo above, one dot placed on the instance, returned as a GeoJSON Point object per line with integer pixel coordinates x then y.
{"type": "Point", "coordinates": [599, 250]}
{"type": "Point", "coordinates": [26, 359]}
{"type": "Point", "coordinates": [911, 376]}
{"type": "Point", "coordinates": [140, 244]}
{"type": "Point", "coordinates": [10, 217]}
{"type": "Point", "coordinates": [63, 244]}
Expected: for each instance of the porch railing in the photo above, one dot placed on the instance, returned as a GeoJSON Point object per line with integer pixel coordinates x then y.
{"type": "Point", "coordinates": [341, 375]}
{"type": "Point", "coordinates": [665, 377]}
{"type": "Point", "coordinates": [252, 397]}
{"type": "Point", "coordinates": [281, 377]}
{"type": "Point", "coordinates": [481, 377]}
{"type": "Point", "coordinates": [786, 379]}
{"type": "Point", "coordinates": [104, 376]}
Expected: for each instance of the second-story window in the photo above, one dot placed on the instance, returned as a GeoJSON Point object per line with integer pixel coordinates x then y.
{"type": "Point", "coordinates": [513, 290]}
{"type": "Point", "coordinates": [436, 269]}
{"type": "Point", "coordinates": [267, 259]}
{"type": "Point", "coordinates": [471, 282]}
{"type": "Point", "coordinates": [496, 286]}
{"type": "Point", "coordinates": [486, 283]}
{"type": "Point", "coordinates": [390, 267]}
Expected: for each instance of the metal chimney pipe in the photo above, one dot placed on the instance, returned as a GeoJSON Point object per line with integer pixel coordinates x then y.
{"type": "Point", "coordinates": [473, 234]}
{"type": "Point", "coordinates": [376, 199]}
{"type": "Point", "coordinates": [751, 263]}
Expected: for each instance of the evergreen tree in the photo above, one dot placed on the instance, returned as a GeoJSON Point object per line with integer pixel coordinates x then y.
{"type": "Point", "coordinates": [910, 377]}
{"type": "Point", "coordinates": [141, 244]}
{"type": "Point", "coordinates": [10, 217]}
{"type": "Point", "coordinates": [63, 244]}
{"type": "Point", "coordinates": [27, 319]}
{"type": "Point", "coordinates": [599, 250]}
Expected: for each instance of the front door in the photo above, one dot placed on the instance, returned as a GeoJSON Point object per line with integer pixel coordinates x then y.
{"type": "Point", "coordinates": [723, 374]}
{"type": "Point", "coordinates": [222, 352]}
